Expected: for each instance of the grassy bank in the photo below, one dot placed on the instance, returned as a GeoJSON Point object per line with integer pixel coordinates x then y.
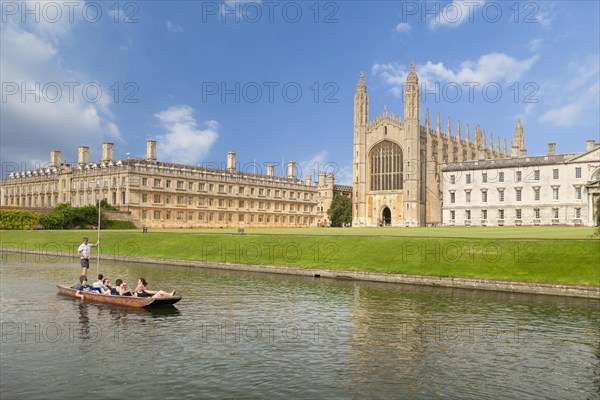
{"type": "Point", "coordinates": [530, 254]}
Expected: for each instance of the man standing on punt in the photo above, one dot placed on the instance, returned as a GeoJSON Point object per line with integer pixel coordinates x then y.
{"type": "Point", "coordinates": [84, 253]}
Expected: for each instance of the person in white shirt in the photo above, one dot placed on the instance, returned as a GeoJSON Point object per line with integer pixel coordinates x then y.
{"type": "Point", "coordinates": [84, 254]}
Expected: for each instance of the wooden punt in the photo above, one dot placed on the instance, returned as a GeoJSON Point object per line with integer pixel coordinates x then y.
{"type": "Point", "coordinates": [127, 301]}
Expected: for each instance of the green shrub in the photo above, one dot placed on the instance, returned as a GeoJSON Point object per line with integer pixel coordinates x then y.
{"type": "Point", "coordinates": [63, 216]}
{"type": "Point", "coordinates": [18, 220]}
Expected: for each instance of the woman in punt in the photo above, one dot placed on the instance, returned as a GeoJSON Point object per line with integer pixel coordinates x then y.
{"type": "Point", "coordinates": [142, 290]}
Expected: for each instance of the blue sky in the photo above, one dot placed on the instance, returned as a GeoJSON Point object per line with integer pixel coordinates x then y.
{"type": "Point", "coordinates": [275, 80]}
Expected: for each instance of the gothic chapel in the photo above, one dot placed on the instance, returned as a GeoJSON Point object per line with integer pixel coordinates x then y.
{"type": "Point", "coordinates": [397, 179]}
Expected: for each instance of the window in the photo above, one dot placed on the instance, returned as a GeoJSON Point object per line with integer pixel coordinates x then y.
{"type": "Point", "coordinates": [156, 214]}
{"type": "Point", "coordinates": [157, 198]}
{"type": "Point", "coordinates": [167, 199]}
{"type": "Point", "coordinates": [452, 214]}
{"type": "Point", "coordinates": [386, 166]}
{"type": "Point", "coordinates": [483, 214]}
{"type": "Point", "coordinates": [240, 203]}
{"type": "Point", "coordinates": [190, 185]}
{"type": "Point", "coordinates": [536, 175]}
{"type": "Point", "coordinates": [179, 215]}
{"type": "Point", "coordinates": [221, 203]}
{"type": "Point", "coordinates": [179, 199]}
{"type": "Point", "coordinates": [168, 183]}
{"type": "Point", "coordinates": [167, 214]}
{"type": "Point", "coordinates": [484, 196]}
{"type": "Point", "coordinates": [536, 213]}
{"type": "Point", "coordinates": [501, 195]}
{"type": "Point", "coordinates": [221, 188]}
{"type": "Point", "coordinates": [555, 212]}
{"type": "Point", "coordinates": [201, 186]}
{"type": "Point", "coordinates": [156, 182]}
{"type": "Point", "coordinates": [468, 214]}
{"type": "Point", "coordinates": [555, 193]}
{"type": "Point", "coordinates": [468, 178]}
{"type": "Point", "coordinates": [241, 190]}
{"type": "Point", "coordinates": [519, 197]}
{"type": "Point", "coordinates": [500, 214]}
{"type": "Point", "coordinates": [241, 217]}
{"type": "Point", "coordinates": [452, 198]}
{"type": "Point", "coordinates": [261, 192]}
{"type": "Point", "coordinates": [201, 216]}
{"type": "Point", "coordinates": [144, 198]}
{"type": "Point", "coordinates": [578, 212]}
{"type": "Point", "coordinates": [578, 172]}
{"type": "Point", "coordinates": [180, 184]}
{"type": "Point", "coordinates": [536, 194]}
{"type": "Point", "coordinates": [518, 213]}
{"type": "Point", "coordinates": [500, 176]}
{"type": "Point", "coordinates": [453, 180]}
{"type": "Point", "coordinates": [144, 181]}
{"type": "Point", "coordinates": [578, 192]}
{"type": "Point", "coordinates": [484, 177]}
{"type": "Point", "coordinates": [555, 173]}
{"type": "Point", "coordinates": [468, 196]}
{"type": "Point", "coordinates": [211, 188]}
{"type": "Point", "coordinates": [518, 176]}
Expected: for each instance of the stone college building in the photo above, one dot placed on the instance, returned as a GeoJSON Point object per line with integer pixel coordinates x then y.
{"type": "Point", "coordinates": [156, 194]}
{"type": "Point", "coordinates": [408, 174]}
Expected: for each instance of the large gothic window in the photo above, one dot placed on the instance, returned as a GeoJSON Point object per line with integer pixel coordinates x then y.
{"type": "Point", "coordinates": [386, 166]}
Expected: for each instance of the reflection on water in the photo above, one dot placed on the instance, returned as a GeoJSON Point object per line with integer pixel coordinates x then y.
{"type": "Point", "coordinates": [250, 335]}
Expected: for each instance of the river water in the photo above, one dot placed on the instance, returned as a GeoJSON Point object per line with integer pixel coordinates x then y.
{"type": "Point", "coordinates": [257, 336]}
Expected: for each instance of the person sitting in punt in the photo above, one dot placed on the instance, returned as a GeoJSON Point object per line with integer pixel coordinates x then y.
{"type": "Point", "coordinates": [142, 290]}
{"type": "Point", "coordinates": [82, 285]}
{"type": "Point", "coordinates": [107, 288]}
{"type": "Point", "coordinates": [123, 288]}
{"type": "Point", "coordinates": [97, 286]}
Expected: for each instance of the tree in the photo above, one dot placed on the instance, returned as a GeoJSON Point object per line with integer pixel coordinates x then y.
{"type": "Point", "coordinates": [340, 211]}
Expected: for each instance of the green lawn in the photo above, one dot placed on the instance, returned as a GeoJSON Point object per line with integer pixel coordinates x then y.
{"type": "Point", "coordinates": [533, 254]}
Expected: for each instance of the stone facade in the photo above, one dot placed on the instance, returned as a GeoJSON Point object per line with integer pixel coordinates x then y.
{"type": "Point", "coordinates": [555, 189]}
{"type": "Point", "coordinates": [397, 169]}
{"type": "Point", "coordinates": [167, 195]}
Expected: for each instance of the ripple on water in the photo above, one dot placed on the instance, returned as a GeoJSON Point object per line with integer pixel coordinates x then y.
{"type": "Point", "coordinates": [248, 335]}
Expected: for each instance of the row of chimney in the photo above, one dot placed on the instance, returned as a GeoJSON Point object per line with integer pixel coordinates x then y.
{"type": "Point", "coordinates": [108, 154]}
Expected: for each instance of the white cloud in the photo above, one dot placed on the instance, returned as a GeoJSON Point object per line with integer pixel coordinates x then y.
{"type": "Point", "coordinates": [171, 27]}
{"type": "Point", "coordinates": [579, 95]}
{"type": "Point", "coordinates": [534, 45]}
{"type": "Point", "coordinates": [183, 142]}
{"type": "Point", "coordinates": [48, 109]}
{"type": "Point", "coordinates": [489, 68]}
{"type": "Point", "coordinates": [403, 27]}
{"type": "Point", "coordinates": [454, 14]}
{"type": "Point", "coordinates": [543, 17]}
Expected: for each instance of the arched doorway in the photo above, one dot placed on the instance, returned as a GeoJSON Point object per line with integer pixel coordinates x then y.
{"type": "Point", "coordinates": [386, 217]}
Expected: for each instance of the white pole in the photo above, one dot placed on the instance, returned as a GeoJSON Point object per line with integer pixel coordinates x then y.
{"type": "Point", "coordinates": [98, 252]}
